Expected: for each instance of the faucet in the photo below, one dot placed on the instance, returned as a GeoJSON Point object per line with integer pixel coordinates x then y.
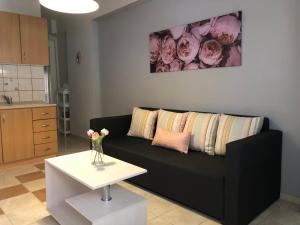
{"type": "Point", "coordinates": [8, 99]}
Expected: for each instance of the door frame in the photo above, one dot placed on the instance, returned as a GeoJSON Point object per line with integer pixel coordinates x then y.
{"type": "Point", "coordinates": [53, 41]}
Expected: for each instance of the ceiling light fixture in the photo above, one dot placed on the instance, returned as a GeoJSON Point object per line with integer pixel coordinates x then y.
{"type": "Point", "coordinates": [71, 6]}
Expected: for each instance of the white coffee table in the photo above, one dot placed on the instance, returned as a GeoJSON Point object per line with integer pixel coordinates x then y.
{"type": "Point", "coordinates": [78, 193]}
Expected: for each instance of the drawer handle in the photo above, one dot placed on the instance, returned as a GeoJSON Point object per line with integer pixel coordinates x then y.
{"type": "Point", "coordinates": [46, 137]}
{"type": "Point", "coordinates": [47, 149]}
{"type": "Point", "coordinates": [45, 125]}
{"type": "Point", "coordinates": [44, 113]}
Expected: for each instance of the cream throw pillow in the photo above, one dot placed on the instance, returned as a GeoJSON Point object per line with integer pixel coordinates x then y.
{"type": "Point", "coordinates": [171, 121]}
{"type": "Point", "coordinates": [203, 128]}
{"type": "Point", "coordinates": [232, 128]}
{"type": "Point", "coordinates": [142, 123]}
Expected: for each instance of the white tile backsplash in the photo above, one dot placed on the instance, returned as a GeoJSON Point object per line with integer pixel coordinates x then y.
{"type": "Point", "coordinates": [38, 96]}
{"type": "Point", "coordinates": [11, 84]}
{"type": "Point", "coordinates": [24, 83]}
{"type": "Point", "coordinates": [26, 96]}
{"type": "Point", "coordinates": [38, 72]}
{"type": "Point", "coordinates": [24, 71]}
{"type": "Point", "coordinates": [1, 84]}
{"type": "Point", "coordinates": [14, 95]}
{"type": "Point", "coordinates": [10, 71]}
{"type": "Point", "coordinates": [38, 84]}
{"type": "Point", "coordinates": [1, 97]}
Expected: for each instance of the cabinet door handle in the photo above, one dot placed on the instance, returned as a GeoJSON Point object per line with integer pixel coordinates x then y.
{"type": "Point", "coordinates": [46, 137]}
{"type": "Point", "coordinates": [47, 149]}
{"type": "Point", "coordinates": [44, 113]}
{"type": "Point", "coordinates": [3, 119]}
{"type": "Point", "coordinates": [45, 125]}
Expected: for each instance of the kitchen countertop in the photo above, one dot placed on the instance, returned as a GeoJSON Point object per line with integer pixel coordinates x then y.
{"type": "Point", "coordinates": [25, 105]}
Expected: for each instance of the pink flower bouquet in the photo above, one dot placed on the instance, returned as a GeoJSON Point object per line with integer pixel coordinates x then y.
{"type": "Point", "coordinates": [96, 140]}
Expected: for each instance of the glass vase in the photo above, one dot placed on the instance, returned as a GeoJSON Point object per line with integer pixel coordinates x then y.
{"type": "Point", "coordinates": [97, 152]}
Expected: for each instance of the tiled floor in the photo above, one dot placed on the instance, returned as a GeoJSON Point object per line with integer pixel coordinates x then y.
{"type": "Point", "coordinates": [22, 199]}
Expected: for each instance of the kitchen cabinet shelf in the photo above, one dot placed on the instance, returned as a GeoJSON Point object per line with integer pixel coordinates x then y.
{"type": "Point", "coordinates": [63, 111]}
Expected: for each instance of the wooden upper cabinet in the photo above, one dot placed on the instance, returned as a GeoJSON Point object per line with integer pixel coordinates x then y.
{"type": "Point", "coordinates": [10, 44]}
{"type": "Point", "coordinates": [34, 40]}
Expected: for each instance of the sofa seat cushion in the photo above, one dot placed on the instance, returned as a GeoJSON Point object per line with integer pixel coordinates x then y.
{"type": "Point", "coordinates": [195, 179]}
{"type": "Point", "coordinates": [196, 162]}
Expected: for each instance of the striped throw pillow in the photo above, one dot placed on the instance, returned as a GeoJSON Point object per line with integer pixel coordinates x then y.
{"type": "Point", "coordinates": [232, 128]}
{"type": "Point", "coordinates": [142, 123]}
{"type": "Point", "coordinates": [203, 129]}
{"type": "Point", "coordinates": [171, 121]}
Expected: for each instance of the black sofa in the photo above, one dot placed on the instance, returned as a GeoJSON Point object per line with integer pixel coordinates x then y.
{"type": "Point", "coordinates": [234, 188]}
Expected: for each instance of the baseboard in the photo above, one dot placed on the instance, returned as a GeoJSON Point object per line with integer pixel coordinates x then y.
{"type": "Point", "coordinates": [290, 198]}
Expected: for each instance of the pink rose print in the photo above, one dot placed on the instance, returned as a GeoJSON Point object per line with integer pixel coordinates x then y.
{"type": "Point", "coordinates": [154, 46]}
{"type": "Point", "coordinates": [208, 43]}
{"type": "Point", "coordinates": [176, 65]}
{"type": "Point", "coordinates": [234, 58]}
{"type": "Point", "coordinates": [211, 52]}
{"type": "Point", "coordinates": [191, 66]}
{"type": "Point", "coordinates": [187, 47]}
{"type": "Point", "coordinates": [226, 29]}
{"type": "Point", "coordinates": [168, 50]}
{"type": "Point", "coordinates": [161, 67]}
{"type": "Point", "coordinates": [202, 65]}
{"type": "Point", "coordinates": [202, 30]}
{"type": "Point", "coordinates": [177, 31]}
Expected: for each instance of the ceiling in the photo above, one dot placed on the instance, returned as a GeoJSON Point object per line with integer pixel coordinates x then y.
{"type": "Point", "coordinates": [106, 7]}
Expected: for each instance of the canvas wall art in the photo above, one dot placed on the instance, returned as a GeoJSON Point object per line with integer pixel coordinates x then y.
{"type": "Point", "coordinates": [210, 43]}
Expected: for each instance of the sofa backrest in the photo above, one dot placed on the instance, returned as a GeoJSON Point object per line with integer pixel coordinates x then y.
{"type": "Point", "coordinates": [265, 126]}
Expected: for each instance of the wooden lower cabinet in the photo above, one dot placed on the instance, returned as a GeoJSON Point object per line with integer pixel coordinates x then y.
{"type": "Point", "coordinates": [1, 156]}
{"type": "Point", "coordinates": [27, 133]}
{"type": "Point", "coordinates": [45, 131]}
{"type": "Point", "coordinates": [17, 134]}
{"type": "Point", "coordinates": [45, 149]}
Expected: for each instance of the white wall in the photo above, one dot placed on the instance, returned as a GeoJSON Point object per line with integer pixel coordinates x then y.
{"type": "Point", "coordinates": [84, 79]}
{"type": "Point", "coordinates": [267, 83]}
{"type": "Point", "coordinates": [110, 6]}
{"type": "Point", "coordinates": [27, 7]}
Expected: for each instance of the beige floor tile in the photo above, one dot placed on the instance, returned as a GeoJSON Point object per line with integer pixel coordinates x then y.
{"type": "Point", "coordinates": [181, 216]}
{"type": "Point", "coordinates": [35, 185]}
{"type": "Point", "coordinates": [158, 221]}
{"type": "Point", "coordinates": [4, 220]}
{"type": "Point", "coordinates": [137, 190]}
{"type": "Point", "coordinates": [7, 180]}
{"type": "Point", "coordinates": [30, 176]}
{"type": "Point", "coordinates": [24, 209]}
{"type": "Point", "coordinates": [20, 170]}
{"type": "Point", "coordinates": [157, 206]}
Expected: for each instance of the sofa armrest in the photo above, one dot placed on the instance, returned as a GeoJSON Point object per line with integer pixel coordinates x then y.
{"type": "Point", "coordinates": [117, 125]}
{"type": "Point", "coordinates": [252, 177]}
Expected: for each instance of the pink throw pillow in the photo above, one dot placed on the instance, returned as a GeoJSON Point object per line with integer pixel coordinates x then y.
{"type": "Point", "coordinates": [173, 140]}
